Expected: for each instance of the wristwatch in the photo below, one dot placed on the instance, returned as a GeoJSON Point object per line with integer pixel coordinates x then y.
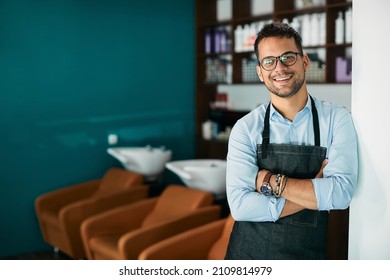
{"type": "Point", "coordinates": [265, 187]}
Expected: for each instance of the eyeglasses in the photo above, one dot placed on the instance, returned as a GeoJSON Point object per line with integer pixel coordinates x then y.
{"type": "Point", "coordinates": [287, 59]}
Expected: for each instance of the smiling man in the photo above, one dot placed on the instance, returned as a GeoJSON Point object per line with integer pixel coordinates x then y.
{"type": "Point", "coordinates": [289, 161]}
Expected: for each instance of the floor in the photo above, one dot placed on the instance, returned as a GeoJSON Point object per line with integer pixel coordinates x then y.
{"type": "Point", "coordinates": [41, 255]}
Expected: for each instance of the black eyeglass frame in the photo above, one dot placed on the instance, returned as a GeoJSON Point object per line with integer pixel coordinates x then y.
{"type": "Point", "coordinates": [277, 58]}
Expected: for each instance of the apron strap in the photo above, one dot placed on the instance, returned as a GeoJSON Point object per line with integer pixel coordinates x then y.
{"type": "Point", "coordinates": [266, 131]}
{"type": "Point", "coordinates": [316, 125]}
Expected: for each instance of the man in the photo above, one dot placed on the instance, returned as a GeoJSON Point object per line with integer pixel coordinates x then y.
{"type": "Point", "coordinates": [289, 161]}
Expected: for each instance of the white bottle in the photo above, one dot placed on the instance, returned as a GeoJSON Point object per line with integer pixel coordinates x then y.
{"type": "Point", "coordinates": [322, 29]}
{"type": "Point", "coordinates": [229, 73]}
{"type": "Point", "coordinates": [247, 37]}
{"type": "Point", "coordinates": [339, 37]}
{"type": "Point", "coordinates": [296, 24]}
{"type": "Point", "coordinates": [306, 40]}
{"type": "Point", "coordinates": [314, 30]}
{"type": "Point", "coordinates": [238, 34]}
{"type": "Point", "coordinates": [252, 36]}
{"type": "Point", "coordinates": [207, 130]}
{"type": "Point", "coordinates": [348, 26]}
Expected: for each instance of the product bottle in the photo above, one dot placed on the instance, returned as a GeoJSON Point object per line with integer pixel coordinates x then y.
{"type": "Point", "coordinates": [348, 26]}
{"type": "Point", "coordinates": [296, 24]}
{"type": "Point", "coordinates": [247, 37]}
{"type": "Point", "coordinates": [339, 37]}
{"type": "Point", "coordinates": [229, 73]}
{"type": "Point", "coordinates": [322, 29]}
{"type": "Point", "coordinates": [252, 36]}
{"type": "Point", "coordinates": [314, 30]}
{"type": "Point", "coordinates": [238, 34]}
{"type": "Point", "coordinates": [223, 40]}
{"type": "Point", "coordinates": [217, 40]}
{"type": "Point", "coordinates": [207, 130]}
{"type": "Point", "coordinates": [306, 39]}
{"type": "Point", "coordinates": [207, 39]}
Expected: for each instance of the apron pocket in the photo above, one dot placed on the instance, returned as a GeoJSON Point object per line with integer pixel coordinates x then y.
{"type": "Point", "coordinates": [304, 218]}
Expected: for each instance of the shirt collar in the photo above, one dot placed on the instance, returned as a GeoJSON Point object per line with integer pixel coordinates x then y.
{"type": "Point", "coordinates": [275, 115]}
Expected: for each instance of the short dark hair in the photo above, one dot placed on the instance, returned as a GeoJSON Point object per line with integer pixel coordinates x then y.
{"type": "Point", "coordinates": [277, 29]}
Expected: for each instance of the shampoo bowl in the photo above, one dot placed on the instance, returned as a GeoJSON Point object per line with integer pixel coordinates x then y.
{"type": "Point", "coordinates": [147, 161]}
{"type": "Point", "coordinates": [203, 174]}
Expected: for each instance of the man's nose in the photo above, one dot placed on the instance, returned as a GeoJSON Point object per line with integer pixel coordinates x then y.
{"type": "Point", "coordinates": [280, 66]}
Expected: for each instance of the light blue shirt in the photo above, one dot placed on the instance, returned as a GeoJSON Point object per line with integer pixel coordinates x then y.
{"type": "Point", "coordinates": [338, 135]}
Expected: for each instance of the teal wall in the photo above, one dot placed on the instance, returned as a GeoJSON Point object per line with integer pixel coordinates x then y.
{"type": "Point", "coordinates": [73, 71]}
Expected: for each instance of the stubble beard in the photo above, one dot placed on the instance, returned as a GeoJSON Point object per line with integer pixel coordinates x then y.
{"type": "Point", "coordinates": [294, 90]}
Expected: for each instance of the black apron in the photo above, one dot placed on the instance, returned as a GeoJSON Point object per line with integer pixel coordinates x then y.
{"type": "Point", "coordinates": [298, 236]}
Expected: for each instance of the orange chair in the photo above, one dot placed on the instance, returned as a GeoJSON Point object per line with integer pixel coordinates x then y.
{"type": "Point", "coordinates": [122, 233]}
{"type": "Point", "coordinates": [61, 212]}
{"type": "Point", "coordinates": [207, 242]}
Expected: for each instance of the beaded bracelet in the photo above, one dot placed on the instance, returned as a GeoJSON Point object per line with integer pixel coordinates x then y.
{"type": "Point", "coordinates": [280, 184]}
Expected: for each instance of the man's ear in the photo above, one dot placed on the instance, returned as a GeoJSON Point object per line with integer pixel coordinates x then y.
{"type": "Point", "coordinates": [259, 73]}
{"type": "Point", "coordinates": [306, 62]}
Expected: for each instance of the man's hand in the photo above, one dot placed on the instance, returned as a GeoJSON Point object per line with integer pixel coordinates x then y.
{"type": "Point", "coordinates": [261, 173]}
{"type": "Point", "coordinates": [320, 173]}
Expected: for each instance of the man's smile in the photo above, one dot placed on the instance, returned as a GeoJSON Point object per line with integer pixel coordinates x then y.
{"type": "Point", "coordinates": [283, 79]}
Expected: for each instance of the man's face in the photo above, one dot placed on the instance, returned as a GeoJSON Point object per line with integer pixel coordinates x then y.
{"type": "Point", "coordinates": [283, 81]}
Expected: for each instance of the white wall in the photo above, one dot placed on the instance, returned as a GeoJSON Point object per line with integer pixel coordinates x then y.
{"type": "Point", "coordinates": [369, 212]}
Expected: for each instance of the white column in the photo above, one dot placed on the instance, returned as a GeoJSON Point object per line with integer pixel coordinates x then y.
{"type": "Point", "coordinates": [369, 229]}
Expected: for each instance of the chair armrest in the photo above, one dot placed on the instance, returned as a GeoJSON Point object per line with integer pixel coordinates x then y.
{"type": "Point", "coordinates": [117, 220]}
{"type": "Point", "coordinates": [99, 204]}
{"type": "Point", "coordinates": [133, 243]}
{"type": "Point", "coordinates": [71, 216]}
{"type": "Point", "coordinates": [122, 197]}
{"type": "Point", "coordinates": [193, 244]}
{"type": "Point", "coordinates": [56, 199]}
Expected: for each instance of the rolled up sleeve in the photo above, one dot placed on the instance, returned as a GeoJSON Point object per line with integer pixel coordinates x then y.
{"type": "Point", "coordinates": [337, 187]}
{"type": "Point", "coordinates": [245, 203]}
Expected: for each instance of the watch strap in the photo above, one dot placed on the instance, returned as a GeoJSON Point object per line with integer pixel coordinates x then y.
{"type": "Point", "coordinates": [267, 177]}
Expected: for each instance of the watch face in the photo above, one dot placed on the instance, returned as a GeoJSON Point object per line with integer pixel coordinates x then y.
{"type": "Point", "coordinates": [266, 190]}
